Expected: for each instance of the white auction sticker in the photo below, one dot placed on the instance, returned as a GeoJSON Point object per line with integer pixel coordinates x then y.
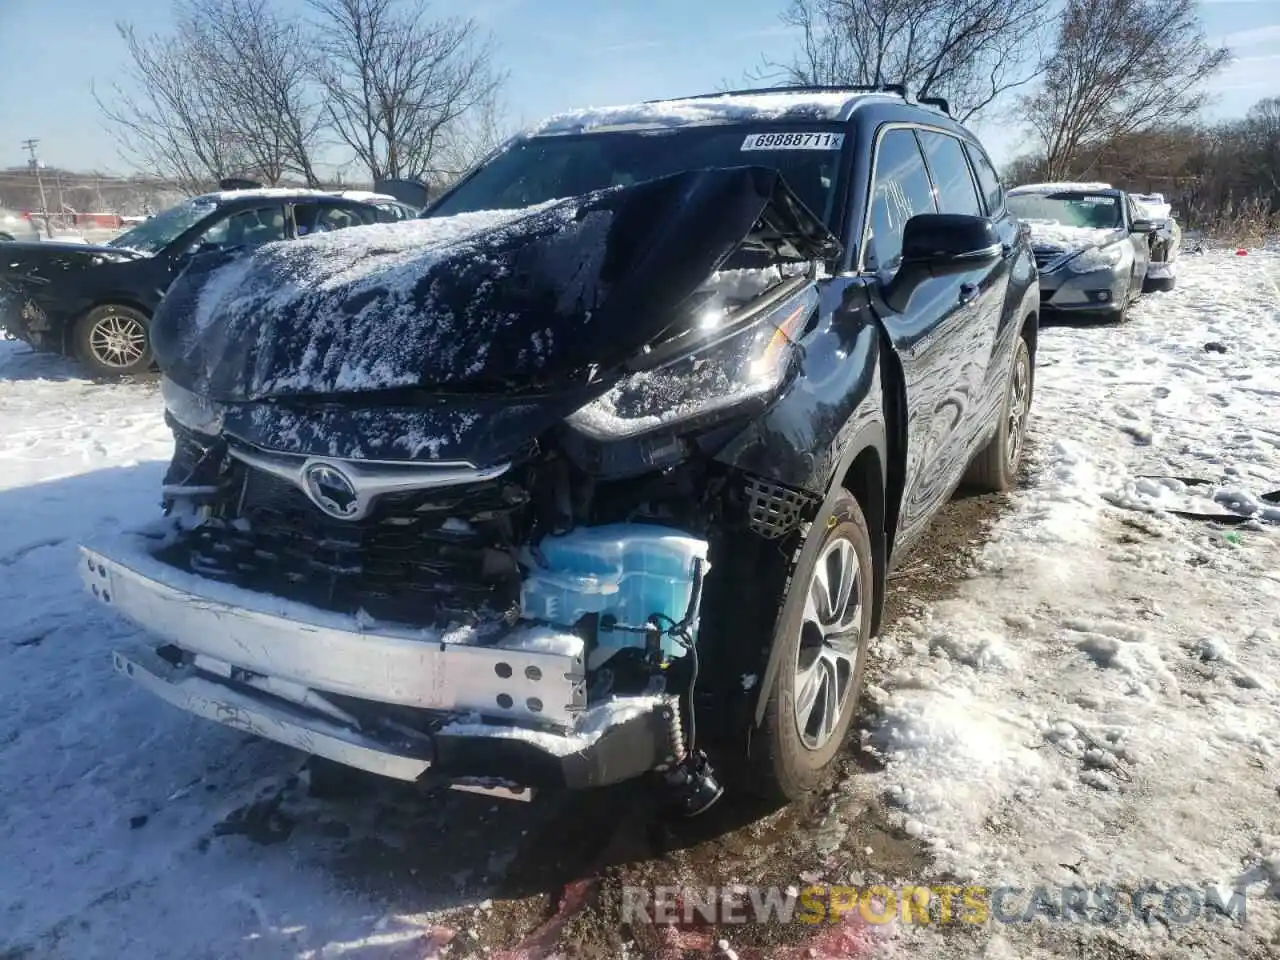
{"type": "Point", "coordinates": [793, 141]}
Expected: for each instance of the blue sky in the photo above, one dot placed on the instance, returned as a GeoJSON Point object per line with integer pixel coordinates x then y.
{"type": "Point", "coordinates": [560, 54]}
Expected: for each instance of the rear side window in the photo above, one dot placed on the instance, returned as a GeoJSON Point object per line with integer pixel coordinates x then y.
{"type": "Point", "coordinates": [391, 213]}
{"type": "Point", "coordinates": [956, 192]}
{"type": "Point", "coordinates": [325, 218]}
{"type": "Point", "coordinates": [900, 191]}
{"type": "Point", "coordinates": [988, 180]}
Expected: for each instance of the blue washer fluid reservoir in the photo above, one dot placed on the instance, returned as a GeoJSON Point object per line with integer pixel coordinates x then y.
{"type": "Point", "coordinates": [628, 570]}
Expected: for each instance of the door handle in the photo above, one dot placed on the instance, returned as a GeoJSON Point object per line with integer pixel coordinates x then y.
{"type": "Point", "coordinates": [967, 292]}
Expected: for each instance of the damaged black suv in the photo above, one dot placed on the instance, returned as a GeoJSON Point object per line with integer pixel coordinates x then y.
{"type": "Point", "coordinates": [598, 469]}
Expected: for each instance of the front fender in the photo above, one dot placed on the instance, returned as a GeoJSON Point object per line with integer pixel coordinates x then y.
{"type": "Point", "coordinates": [870, 436]}
{"type": "Point", "coordinates": [813, 435]}
{"type": "Point", "coordinates": [1022, 298]}
{"type": "Point", "coordinates": [806, 436]}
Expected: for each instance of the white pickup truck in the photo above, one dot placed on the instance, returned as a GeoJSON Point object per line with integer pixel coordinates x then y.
{"type": "Point", "coordinates": [1166, 240]}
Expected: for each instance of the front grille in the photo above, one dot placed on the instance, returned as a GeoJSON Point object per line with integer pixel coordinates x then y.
{"type": "Point", "coordinates": [1046, 257]}
{"type": "Point", "coordinates": [414, 559]}
{"type": "Point", "coordinates": [773, 510]}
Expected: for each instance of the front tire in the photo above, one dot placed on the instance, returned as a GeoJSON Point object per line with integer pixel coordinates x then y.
{"type": "Point", "coordinates": [995, 468]}
{"type": "Point", "coordinates": [821, 643]}
{"type": "Point", "coordinates": [113, 341]}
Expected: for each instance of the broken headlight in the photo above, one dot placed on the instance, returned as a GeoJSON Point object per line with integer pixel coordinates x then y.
{"type": "Point", "coordinates": [1098, 258]}
{"type": "Point", "coordinates": [746, 361]}
{"type": "Point", "coordinates": [192, 410]}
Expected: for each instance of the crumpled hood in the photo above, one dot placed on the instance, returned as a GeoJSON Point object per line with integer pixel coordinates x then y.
{"type": "Point", "coordinates": [476, 301]}
{"type": "Point", "coordinates": [34, 255]}
{"type": "Point", "coordinates": [1058, 238]}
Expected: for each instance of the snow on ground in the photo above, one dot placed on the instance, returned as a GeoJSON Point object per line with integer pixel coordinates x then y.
{"type": "Point", "coordinates": [1103, 694]}
{"type": "Point", "coordinates": [120, 814]}
{"type": "Point", "coordinates": [1099, 703]}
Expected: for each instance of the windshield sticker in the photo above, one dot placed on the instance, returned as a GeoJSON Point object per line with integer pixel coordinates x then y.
{"type": "Point", "coordinates": [1107, 200]}
{"type": "Point", "coordinates": [793, 141]}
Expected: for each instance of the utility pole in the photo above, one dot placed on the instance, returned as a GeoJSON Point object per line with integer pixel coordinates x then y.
{"type": "Point", "coordinates": [30, 146]}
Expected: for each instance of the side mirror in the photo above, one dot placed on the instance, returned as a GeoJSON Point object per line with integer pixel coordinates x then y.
{"type": "Point", "coordinates": [1142, 226]}
{"type": "Point", "coordinates": [938, 245]}
{"type": "Point", "coordinates": [949, 242]}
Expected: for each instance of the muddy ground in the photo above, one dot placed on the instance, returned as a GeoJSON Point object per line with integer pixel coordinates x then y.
{"type": "Point", "coordinates": [548, 875]}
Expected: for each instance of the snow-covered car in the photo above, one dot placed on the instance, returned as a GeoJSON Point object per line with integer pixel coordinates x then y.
{"type": "Point", "coordinates": [16, 226]}
{"type": "Point", "coordinates": [1166, 240]}
{"type": "Point", "coordinates": [597, 469]}
{"type": "Point", "coordinates": [95, 302]}
{"type": "Point", "coordinates": [1091, 245]}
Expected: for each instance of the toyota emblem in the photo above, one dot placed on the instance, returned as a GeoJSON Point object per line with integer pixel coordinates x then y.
{"type": "Point", "coordinates": [331, 491]}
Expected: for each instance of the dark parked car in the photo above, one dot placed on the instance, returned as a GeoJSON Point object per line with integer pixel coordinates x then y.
{"type": "Point", "coordinates": [1091, 243]}
{"type": "Point", "coordinates": [96, 302]}
{"type": "Point", "coordinates": [542, 492]}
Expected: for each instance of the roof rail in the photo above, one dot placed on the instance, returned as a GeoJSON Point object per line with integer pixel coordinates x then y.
{"type": "Point", "coordinates": [893, 88]}
{"type": "Point", "coordinates": [938, 102]}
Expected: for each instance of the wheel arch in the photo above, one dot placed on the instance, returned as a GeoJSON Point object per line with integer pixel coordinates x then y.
{"type": "Point", "coordinates": [863, 466]}
{"type": "Point", "coordinates": [1030, 332]}
{"type": "Point", "coordinates": [117, 300]}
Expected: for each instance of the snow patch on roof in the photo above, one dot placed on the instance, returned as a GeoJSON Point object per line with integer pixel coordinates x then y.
{"type": "Point", "coordinates": [1063, 186]}
{"type": "Point", "coordinates": [703, 110]}
{"type": "Point", "coordinates": [264, 193]}
{"type": "Point", "coordinates": [365, 196]}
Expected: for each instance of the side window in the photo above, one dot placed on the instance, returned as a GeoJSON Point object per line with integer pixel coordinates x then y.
{"type": "Point", "coordinates": [363, 214]}
{"type": "Point", "coordinates": [901, 190]}
{"type": "Point", "coordinates": [988, 180]}
{"type": "Point", "coordinates": [250, 228]}
{"type": "Point", "coordinates": [312, 218]}
{"type": "Point", "coordinates": [951, 177]}
{"type": "Point", "coordinates": [391, 213]}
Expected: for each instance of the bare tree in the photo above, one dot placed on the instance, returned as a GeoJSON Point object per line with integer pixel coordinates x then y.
{"type": "Point", "coordinates": [261, 67]}
{"type": "Point", "coordinates": [167, 116]}
{"type": "Point", "coordinates": [968, 51]}
{"type": "Point", "coordinates": [1261, 135]}
{"type": "Point", "coordinates": [1118, 67]}
{"type": "Point", "coordinates": [227, 93]}
{"type": "Point", "coordinates": [399, 86]}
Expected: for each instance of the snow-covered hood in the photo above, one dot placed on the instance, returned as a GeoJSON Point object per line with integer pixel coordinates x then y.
{"type": "Point", "coordinates": [27, 256]}
{"type": "Point", "coordinates": [1059, 238]}
{"type": "Point", "coordinates": [476, 301]}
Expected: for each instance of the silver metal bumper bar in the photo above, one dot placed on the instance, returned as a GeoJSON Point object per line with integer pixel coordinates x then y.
{"type": "Point", "coordinates": [272, 719]}
{"type": "Point", "coordinates": [331, 654]}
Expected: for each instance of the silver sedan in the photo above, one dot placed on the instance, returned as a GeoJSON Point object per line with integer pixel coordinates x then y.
{"type": "Point", "coordinates": [14, 226]}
